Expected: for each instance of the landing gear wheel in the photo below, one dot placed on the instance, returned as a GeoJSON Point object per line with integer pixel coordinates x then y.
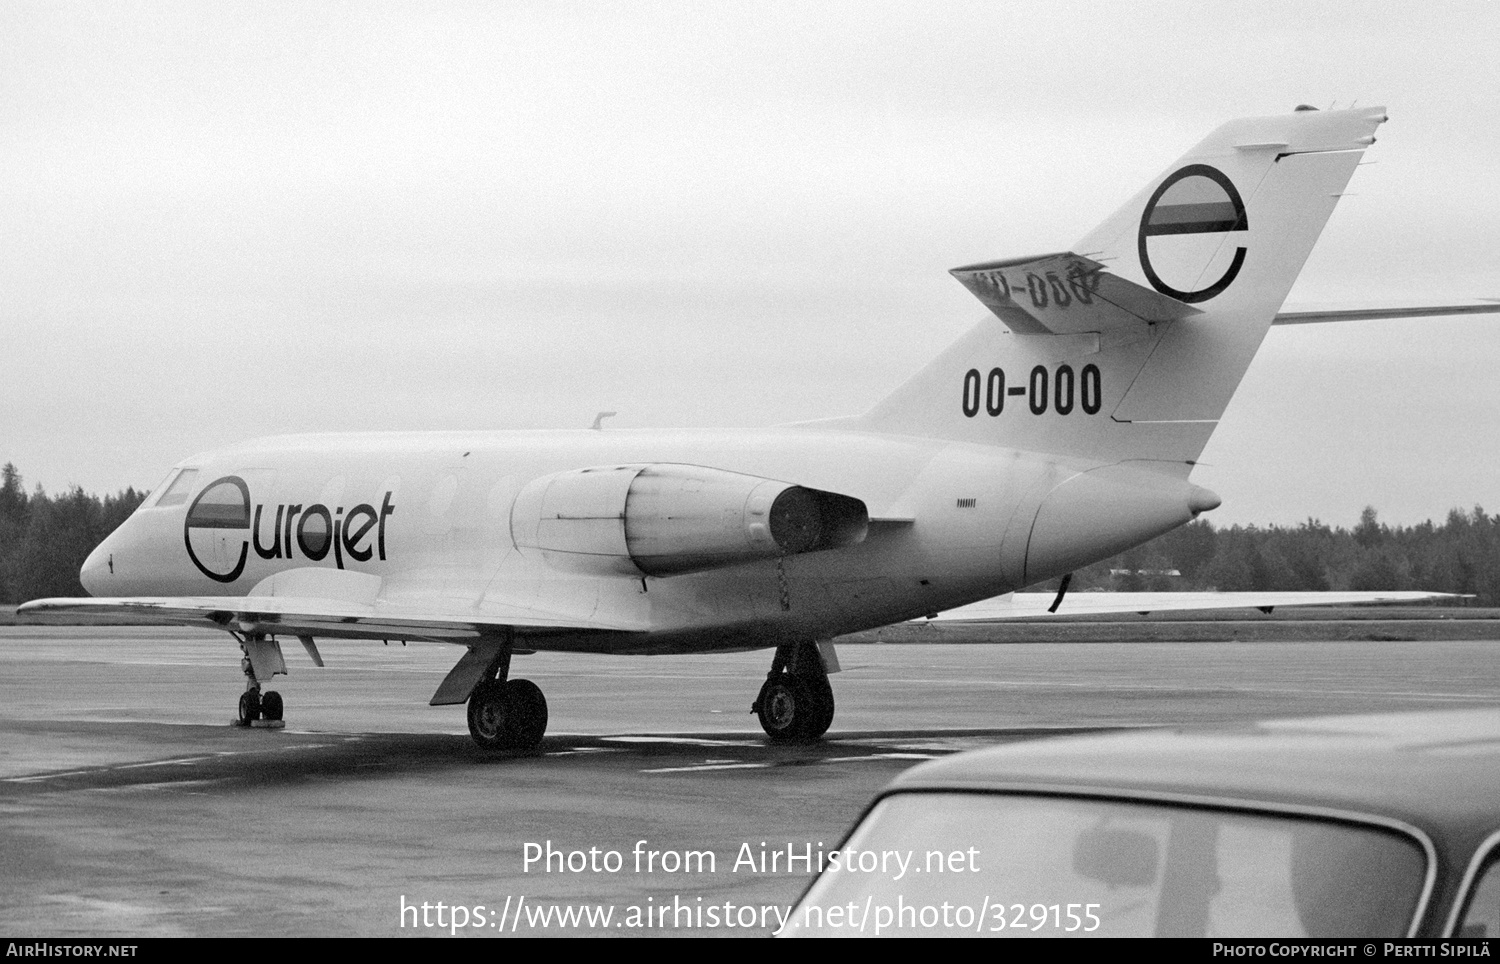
{"type": "Point", "coordinates": [785, 708]}
{"type": "Point", "coordinates": [529, 713]}
{"type": "Point", "coordinates": [270, 705]}
{"type": "Point", "coordinates": [795, 703]}
{"type": "Point", "coordinates": [250, 707]}
{"type": "Point", "coordinates": [489, 714]}
{"type": "Point", "coordinates": [507, 715]}
{"type": "Point", "coordinates": [821, 716]}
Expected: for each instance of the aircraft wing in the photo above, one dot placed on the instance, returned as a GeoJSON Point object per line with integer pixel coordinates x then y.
{"type": "Point", "coordinates": [336, 604]}
{"type": "Point", "coordinates": [1030, 605]}
{"type": "Point", "coordinates": [1293, 315]}
{"type": "Point", "coordinates": [302, 616]}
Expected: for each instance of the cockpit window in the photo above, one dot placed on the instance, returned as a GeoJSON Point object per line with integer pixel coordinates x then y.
{"type": "Point", "coordinates": [223, 505]}
{"type": "Point", "coordinates": [175, 492]}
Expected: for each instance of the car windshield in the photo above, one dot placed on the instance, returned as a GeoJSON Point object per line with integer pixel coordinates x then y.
{"type": "Point", "coordinates": [1016, 866]}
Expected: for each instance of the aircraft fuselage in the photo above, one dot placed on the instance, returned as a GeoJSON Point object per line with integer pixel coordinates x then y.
{"type": "Point", "coordinates": [434, 516]}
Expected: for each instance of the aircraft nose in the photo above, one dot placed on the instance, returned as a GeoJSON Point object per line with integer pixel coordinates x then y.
{"type": "Point", "coordinates": [97, 569]}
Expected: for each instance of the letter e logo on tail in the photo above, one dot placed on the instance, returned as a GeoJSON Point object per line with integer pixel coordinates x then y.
{"type": "Point", "coordinates": [1194, 200]}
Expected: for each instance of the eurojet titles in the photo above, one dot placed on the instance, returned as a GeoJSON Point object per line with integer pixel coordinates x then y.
{"type": "Point", "coordinates": [226, 505]}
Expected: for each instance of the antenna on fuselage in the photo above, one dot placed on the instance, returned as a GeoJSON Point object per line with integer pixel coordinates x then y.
{"type": "Point", "coordinates": [598, 425]}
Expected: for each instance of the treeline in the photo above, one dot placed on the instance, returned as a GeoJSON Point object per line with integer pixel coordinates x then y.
{"type": "Point", "coordinates": [1462, 555]}
{"type": "Point", "coordinates": [44, 540]}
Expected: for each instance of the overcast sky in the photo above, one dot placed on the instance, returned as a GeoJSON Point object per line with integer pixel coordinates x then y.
{"type": "Point", "coordinates": [233, 219]}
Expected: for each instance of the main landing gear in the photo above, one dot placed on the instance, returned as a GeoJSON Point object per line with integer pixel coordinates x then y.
{"type": "Point", "coordinates": [260, 709]}
{"type": "Point", "coordinates": [796, 702]}
{"type": "Point", "coordinates": [506, 714]}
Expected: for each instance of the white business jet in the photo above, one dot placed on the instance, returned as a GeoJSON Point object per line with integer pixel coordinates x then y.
{"type": "Point", "coordinates": [1060, 431]}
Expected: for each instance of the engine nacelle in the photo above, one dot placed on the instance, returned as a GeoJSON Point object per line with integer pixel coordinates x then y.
{"type": "Point", "coordinates": [666, 519]}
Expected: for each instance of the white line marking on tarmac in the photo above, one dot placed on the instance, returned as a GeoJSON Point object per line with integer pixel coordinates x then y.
{"type": "Point", "coordinates": [711, 766]}
{"type": "Point", "coordinates": [159, 763]}
{"type": "Point", "coordinates": [884, 756]}
{"type": "Point", "coordinates": [726, 765]}
{"type": "Point", "coordinates": [686, 740]}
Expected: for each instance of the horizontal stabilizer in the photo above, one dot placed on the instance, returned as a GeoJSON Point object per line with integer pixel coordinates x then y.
{"type": "Point", "coordinates": [1308, 316]}
{"type": "Point", "coordinates": [1065, 294]}
{"type": "Point", "coordinates": [1031, 605]}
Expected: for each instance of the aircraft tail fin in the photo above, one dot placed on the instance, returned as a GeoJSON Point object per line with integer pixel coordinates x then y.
{"type": "Point", "coordinates": [1131, 345]}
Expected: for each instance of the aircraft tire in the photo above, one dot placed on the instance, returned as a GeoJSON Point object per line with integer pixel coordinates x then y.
{"type": "Point", "coordinates": [528, 720]}
{"type": "Point", "coordinates": [821, 695]}
{"type": "Point", "coordinates": [249, 706]}
{"type": "Point", "coordinates": [490, 715]}
{"type": "Point", "coordinates": [271, 707]}
{"type": "Point", "coordinates": [785, 709]}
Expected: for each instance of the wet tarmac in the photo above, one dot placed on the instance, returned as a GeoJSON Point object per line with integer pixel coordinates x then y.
{"type": "Point", "coordinates": [129, 806]}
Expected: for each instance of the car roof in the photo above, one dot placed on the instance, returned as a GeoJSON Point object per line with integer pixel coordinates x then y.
{"type": "Point", "coordinates": [1436, 770]}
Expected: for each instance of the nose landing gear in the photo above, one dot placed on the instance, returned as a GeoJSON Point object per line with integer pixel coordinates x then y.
{"type": "Point", "coordinates": [259, 709]}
